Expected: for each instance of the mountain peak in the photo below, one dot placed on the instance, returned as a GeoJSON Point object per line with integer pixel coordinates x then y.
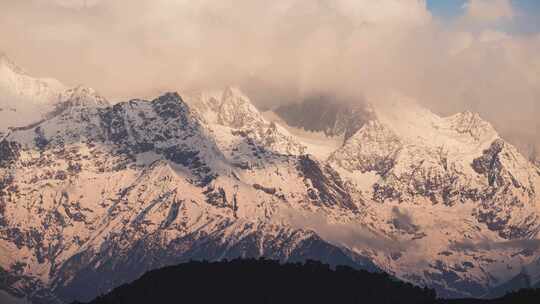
{"type": "Point", "coordinates": [78, 98]}
{"type": "Point", "coordinates": [81, 96]}
{"type": "Point", "coordinates": [472, 124]}
{"type": "Point", "coordinates": [169, 96]}
{"type": "Point", "coordinates": [171, 105]}
{"type": "Point", "coordinates": [234, 92]}
{"type": "Point", "coordinates": [170, 99]}
{"type": "Point", "coordinates": [237, 111]}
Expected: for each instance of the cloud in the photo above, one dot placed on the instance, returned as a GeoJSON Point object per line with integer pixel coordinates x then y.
{"type": "Point", "coordinates": [489, 10]}
{"type": "Point", "coordinates": [520, 244]}
{"type": "Point", "coordinates": [120, 46]}
{"type": "Point", "coordinates": [70, 4]}
{"type": "Point", "coordinates": [402, 220]}
{"type": "Point", "coordinates": [353, 235]}
{"type": "Point", "coordinates": [280, 51]}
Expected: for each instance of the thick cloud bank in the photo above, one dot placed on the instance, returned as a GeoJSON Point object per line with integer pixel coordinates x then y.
{"type": "Point", "coordinates": [281, 50]}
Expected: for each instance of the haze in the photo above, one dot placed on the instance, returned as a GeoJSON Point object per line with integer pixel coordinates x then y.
{"type": "Point", "coordinates": [481, 59]}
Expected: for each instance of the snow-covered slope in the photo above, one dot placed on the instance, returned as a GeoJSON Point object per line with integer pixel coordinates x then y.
{"type": "Point", "coordinates": [96, 196]}
{"type": "Point", "coordinates": [24, 99]}
{"type": "Point", "coordinates": [93, 195]}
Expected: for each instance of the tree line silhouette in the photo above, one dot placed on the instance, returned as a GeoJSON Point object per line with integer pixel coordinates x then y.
{"type": "Point", "coordinates": [266, 281]}
{"type": "Point", "coordinates": [524, 296]}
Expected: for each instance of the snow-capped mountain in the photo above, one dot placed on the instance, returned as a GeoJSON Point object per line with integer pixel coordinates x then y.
{"type": "Point", "coordinates": [467, 196]}
{"type": "Point", "coordinates": [108, 193]}
{"type": "Point", "coordinates": [93, 195]}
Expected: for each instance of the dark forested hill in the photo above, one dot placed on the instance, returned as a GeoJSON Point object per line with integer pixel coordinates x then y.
{"type": "Point", "coordinates": [267, 281]}
{"type": "Point", "coordinates": [264, 281]}
{"type": "Point", "coordinates": [525, 296]}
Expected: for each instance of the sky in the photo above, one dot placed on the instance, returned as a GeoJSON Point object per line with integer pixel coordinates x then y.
{"type": "Point", "coordinates": [528, 21]}
{"type": "Point", "coordinates": [478, 55]}
{"type": "Point", "coordinates": [454, 8]}
{"type": "Point", "coordinates": [446, 8]}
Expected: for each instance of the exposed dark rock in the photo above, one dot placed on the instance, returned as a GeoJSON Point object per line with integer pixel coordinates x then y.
{"type": "Point", "coordinates": [9, 152]}
{"type": "Point", "coordinates": [328, 187]}
{"type": "Point", "coordinates": [40, 139]}
{"type": "Point", "coordinates": [490, 165]}
{"type": "Point", "coordinates": [112, 120]}
{"type": "Point", "coordinates": [267, 190]}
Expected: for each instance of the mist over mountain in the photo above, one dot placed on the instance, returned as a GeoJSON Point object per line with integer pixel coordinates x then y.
{"type": "Point", "coordinates": [481, 60]}
{"type": "Point", "coordinates": [373, 135]}
{"type": "Point", "coordinates": [333, 118]}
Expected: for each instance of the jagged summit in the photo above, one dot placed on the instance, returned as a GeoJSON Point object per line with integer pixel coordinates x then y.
{"type": "Point", "coordinates": [237, 111]}
{"type": "Point", "coordinates": [232, 109]}
{"type": "Point", "coordinates": [471, 124]}
{"type": "Point", "coordinates": [229, 107]}
{"type": "Point", "coordinates": [169, 96]}
{"type": "Point", "coordinates": [81, 96]}
{"type": "Point", "coordinates": [232, 92]}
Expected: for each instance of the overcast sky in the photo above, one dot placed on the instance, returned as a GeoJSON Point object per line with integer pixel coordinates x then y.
{"type": "Point", "coordinates": [481, 55]}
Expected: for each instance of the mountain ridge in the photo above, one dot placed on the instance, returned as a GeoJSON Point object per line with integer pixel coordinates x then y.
{"type": "Point", "coordinates": [117, 190]}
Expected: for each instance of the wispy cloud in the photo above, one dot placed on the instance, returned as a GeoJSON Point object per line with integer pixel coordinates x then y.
{"type": "Point", "coordinates": [521, 244]}
{"type": "Point", "coordinates": [402, 220]}
{"type": "Point", "coordinates": [489, 10]}
{"type": "Point", "coordinates": [352, 234]}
